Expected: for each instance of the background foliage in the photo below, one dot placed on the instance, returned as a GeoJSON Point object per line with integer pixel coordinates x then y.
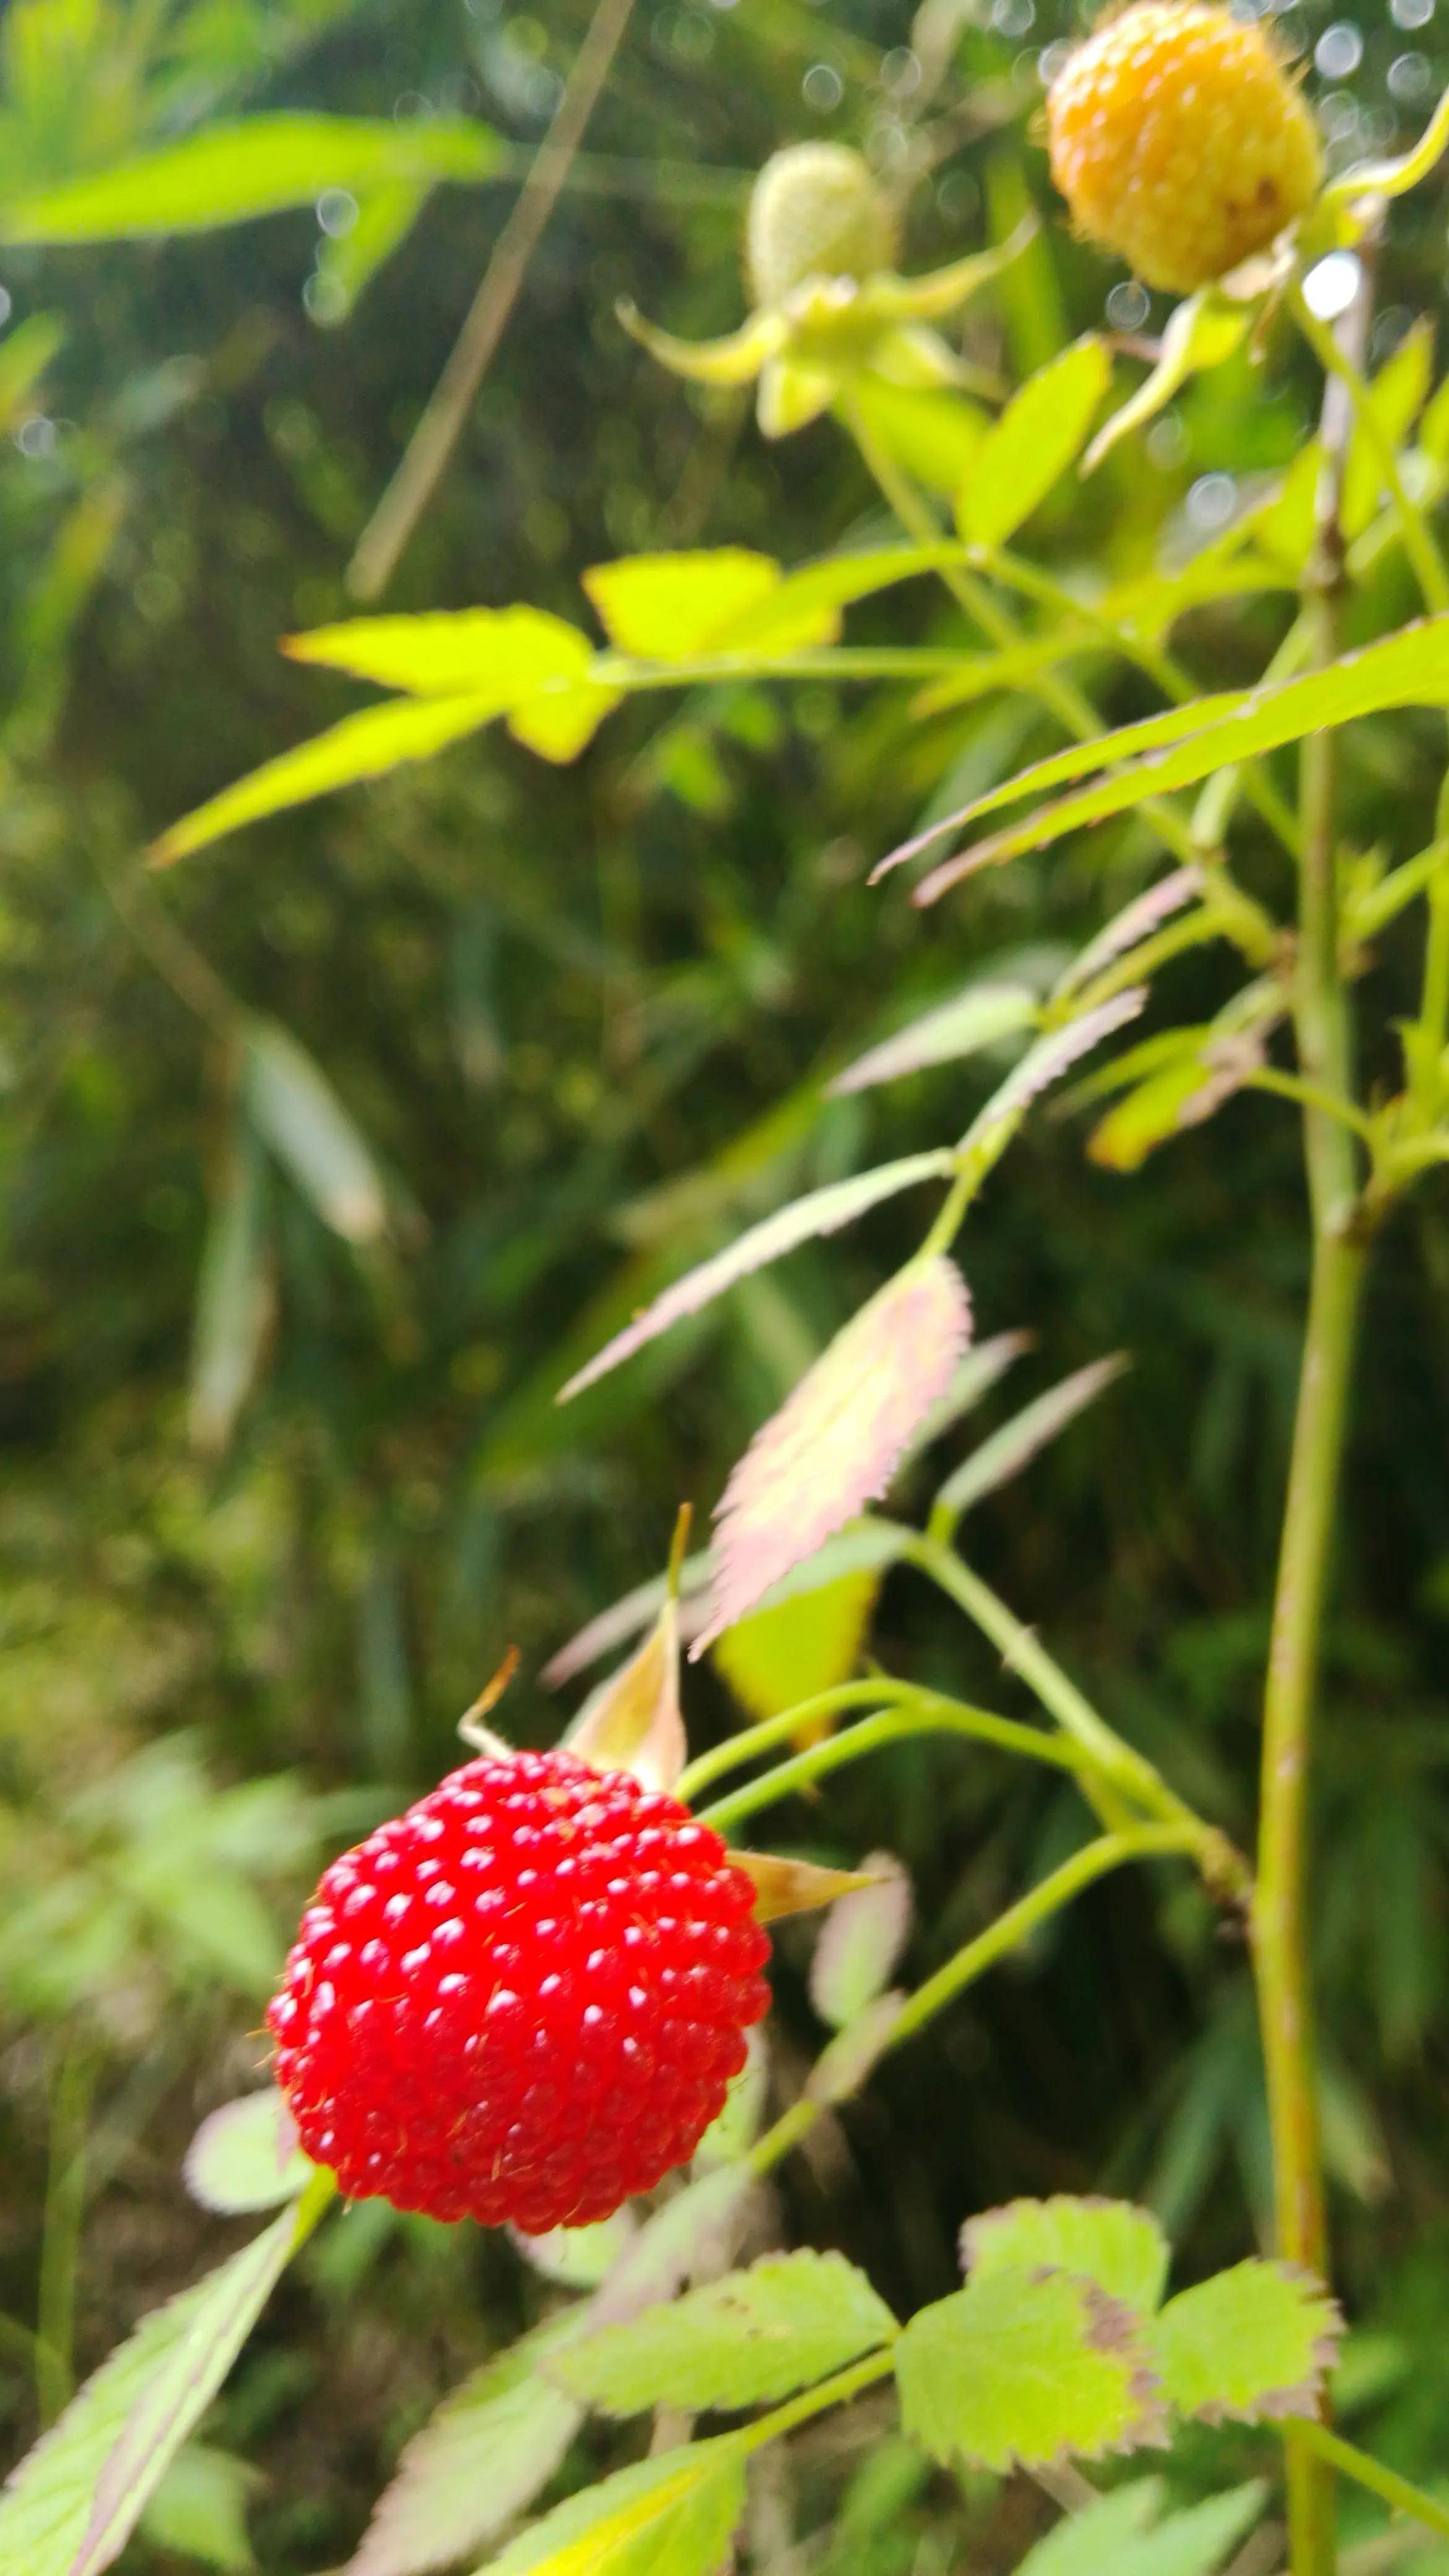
{"type": "Point", "coordinates": [560, 1009]}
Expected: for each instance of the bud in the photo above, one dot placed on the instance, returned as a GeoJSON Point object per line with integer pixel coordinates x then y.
{"type": "Point", "coordinates": [815, 211]}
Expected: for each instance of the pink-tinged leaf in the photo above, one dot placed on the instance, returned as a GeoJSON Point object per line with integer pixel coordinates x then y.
{"type": "Point", "coordinates": [1136, 921]}
{"type": "Point", "coordinates": [633, 1722]}
{"type": "Point", "coordinates": [835, 1443]}
{"type": "Point", "coordinates": [992, 1129]}
{"type": "Point", "coordinates": [977, 1018]}
{"type": "Point", "coordinates": [860, 1943]}
{"type": "Point", "coordinates": [784, 1886]}
{"type": "Point", "coordinates": [821, 1212]}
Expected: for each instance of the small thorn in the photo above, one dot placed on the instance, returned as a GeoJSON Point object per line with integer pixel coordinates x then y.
{"type": "Point", "coordinates": [470, 1724]}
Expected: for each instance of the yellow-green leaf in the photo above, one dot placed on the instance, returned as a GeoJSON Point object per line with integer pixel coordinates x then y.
{"type": "Point", "coordinates": [1038, 436]}
{"type": "Point", "coordinates": [1120, 2247]}
{"type": "Point", "coordinates": [747, 2340]}
{"type": "Point", "coordinates": [502, 653]}
{"type": "Point", "coordinates": [1252, 2343]}
{"type": "Point", "coordinates": [665, 607]}
{"type": "Point", "coordinates": [671, 2516]}
{"type": "Point", "coordinates": [362, 746]}
{"type": "Point", "coordinates": [228, 174]}
{"type": "Point", "coordinates": [1026, 2366]}
{"type": "Point", "coordinates": [791, 1649]}
{"type": "Point", "coordinates": [935, 435]}
{"type": "Point", "coordinates": [1200, 334]}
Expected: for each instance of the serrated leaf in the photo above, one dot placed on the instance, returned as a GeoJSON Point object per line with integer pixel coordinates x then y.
{"type": "Point", "coordinates": [246, 2156]}
{"type": "Point", "coordinates": [577, 2258]}
{"type": "Point", "coordinates": [819, 1212]}
{"type": "Point", "coordinates": [633, 1722]}
{"type": "Point", "coordinates": [1119, 2247]}
{"type": "Point", "coordinates": [835, 1443]}
{"type": "Point", "coordinates": [1200, 333]}
{"type": "Point", "coordinates": [699, 2230]}
{"type": "Point", "coordinates": [234, 1301]}
{"type": "Point", "coordinates": [994, 1125]}
{"type": "Point", "coordinates": [1187, 744]}
{"type": "Point", "coordinates": [1026, 2368]}
{"type": "Point", "coordinates": [748, 2340]}
{"type": "Point", "coordinates": [500, 653]}
{"type": "Point", "coordinates": [790, 1650]}
{"type": "Point", "coordinates": [1252, 2343]}
{"type": "Point", "coordinates": [979, 1017]}
{"type": "Point", "coordinates": [1014, 1446]}
{"type": "Point", "coordinates": [478, 2461]}
{"type": "Point", "coordinates": [1112, 2537]}
{"type": "Point", "coordinates": [671, 2516]}
{"type": "Point", "coordinates": [665, 607]}
{"type": "Point", "coordinates": [861, 1942]}
{"type": "Point", "coordinates": [1136, 921]}
{"type": "Point", "coordinates": [295, 1109]}
{"type": "Point", "coordinates": [1182, 1093]}
{"type": "Point", "coordinates": [73, 2502]}
{"type": "Point", "coordinates": [361, 746]}
{"type": "Point", "coordinates": [1038, 436]}
{"type": "Point", "coordinates": [259, 165]}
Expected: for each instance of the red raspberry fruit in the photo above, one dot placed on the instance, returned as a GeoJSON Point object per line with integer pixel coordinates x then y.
{"type": "Point", "coordinates": [523, 2000]}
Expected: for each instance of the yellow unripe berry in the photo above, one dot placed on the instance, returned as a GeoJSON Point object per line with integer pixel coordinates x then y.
{"type": "Point", "coordinates": [1178, 138]}
{"type": "Point", "coordinates": [815, 211]}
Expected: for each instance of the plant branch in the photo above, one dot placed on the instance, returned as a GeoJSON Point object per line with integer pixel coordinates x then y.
{"type": "Point", "coordinates": [1280, 1909]}
{"type": "Point", "coordinates": [429, 450]}
{"type": "Point", "coordinates": [1341, 366]}
{"type": "Point", "coordinates": [896, 1728]}
{"type": "Point", "coordinates": [1370, 2473]}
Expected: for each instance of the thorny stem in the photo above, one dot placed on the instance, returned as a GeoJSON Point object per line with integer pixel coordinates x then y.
{"type": "Point", "coordinates": [1280, 1907]}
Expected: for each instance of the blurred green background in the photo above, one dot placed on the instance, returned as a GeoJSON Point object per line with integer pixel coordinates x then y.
{"type": "Point", "coordinates": [573, 1025]}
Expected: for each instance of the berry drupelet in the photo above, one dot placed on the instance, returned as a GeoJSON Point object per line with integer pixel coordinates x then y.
{"type": "Point", "coordinates": [522, 2000]}
{"type": "Point", "coordinates": [1179, 139]}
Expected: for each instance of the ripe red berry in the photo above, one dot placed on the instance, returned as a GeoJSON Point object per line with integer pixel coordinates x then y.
{"type": "Point", "coordinates": [523, 2000]}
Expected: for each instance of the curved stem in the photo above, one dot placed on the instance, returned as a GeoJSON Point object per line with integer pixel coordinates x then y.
{"type": "Point", "coordinates": [1367, 2472]}
{"type": "Point", "coordinates": [1094, 1861]}
{"type": "Point", "coordinates": [751, 1741]}
{"type": "Point", "coordinates": [835, 1750]}
{"type": "Point", "coordinates": [835, 2391]}
{"type": "Point", "coordinates": [1288, 1086]}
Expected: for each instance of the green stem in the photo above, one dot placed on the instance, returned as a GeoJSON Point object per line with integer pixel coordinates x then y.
{"type": "Point", "coordinates": [1366, 2472]}
{"type": "Point", "coordinates": [751, 1741]}
{"type": "Point", "coordinates": [1289, 1086]}
{"type": "Point", "coordinates": [1281, 1948]}
{"type": "Point", "coordinates": [1420, 545]}
{"type": "Point", "coordinates": [834, 1750]}
{"type": "Point", "coordinates": [1061, 698]}
{"type": "Point", "coordinates": [835, 2391]}
{"type": "Point", "coordinates": [1094, 1861]}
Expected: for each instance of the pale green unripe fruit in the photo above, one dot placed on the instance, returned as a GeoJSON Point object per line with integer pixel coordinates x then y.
{"type": "Point", "coordinates": [815, 211]}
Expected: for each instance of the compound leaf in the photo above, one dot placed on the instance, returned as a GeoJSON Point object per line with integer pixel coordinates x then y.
{"type": "Point", "coordinates": [1110, 2242]}
{"type": "Point", "coordinates": [747, 2340]}
{"type": "Point", "coordinates": [479, 2460]}
{"type": "Point", "coordinates": [1252, 2343]}
{"type": "Point", "coordinates": [1029, 2367]}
